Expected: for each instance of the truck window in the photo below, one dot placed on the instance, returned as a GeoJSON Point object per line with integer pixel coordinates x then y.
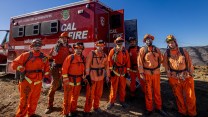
{"type": "Point", "coordinates": [18, 31]}
{"type": "Point", "coordinates": [49, 27]}
{"type": "Point", "coordinates": [32, 29]}
{"type": "Point", "coordinates": [115, 21]}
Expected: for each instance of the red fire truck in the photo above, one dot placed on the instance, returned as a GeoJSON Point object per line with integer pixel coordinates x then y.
{"type": "Point", "coordinates": [86, 21]}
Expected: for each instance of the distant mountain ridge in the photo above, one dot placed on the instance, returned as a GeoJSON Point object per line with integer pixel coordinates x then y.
{"type": "Point", "coordinates": [199, 54]}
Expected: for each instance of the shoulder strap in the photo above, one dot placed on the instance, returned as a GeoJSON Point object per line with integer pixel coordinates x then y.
{"type": "Point", "coordinates": [42, 55]}
{"type": "Point", "coordinates": [93, 55]}
{"type": "Point", "coordinates": [30, 56]}
{"type": "Point", "coordinates": [183, 54]}
{"type": "Point", "coordinates": [72, 58]}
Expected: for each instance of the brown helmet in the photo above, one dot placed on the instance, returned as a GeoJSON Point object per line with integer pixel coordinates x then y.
{"type": "Point", "coordinates": [118, 40]}
{"type": "Point", "coordinates": [100, 43]}
{"type": "Point", "coordinates": [148, 36]}
{"type": "Point", "coordinates": [36, 43]}
{"type": "Point", "coordinates": [78, 45]}
{"type": "Point", "coordinates": [64, 34]}
{"type": "Point", "coordinates": [170, 38]}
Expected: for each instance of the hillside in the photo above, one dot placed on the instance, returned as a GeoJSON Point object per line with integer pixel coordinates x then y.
{"type": "Point", "coordinates": [199, 54]}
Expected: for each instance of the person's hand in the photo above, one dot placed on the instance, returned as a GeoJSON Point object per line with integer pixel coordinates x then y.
{"type": "Point", "coordinates": [54, 53]}
{"type": "Point", "coordinates": [21, 68]}
{"type": "Point", "coordinates": [142, 76]}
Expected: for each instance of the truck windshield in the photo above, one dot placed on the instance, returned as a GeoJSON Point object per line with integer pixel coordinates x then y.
{"type": "Point", "coordinates": [4, 36]}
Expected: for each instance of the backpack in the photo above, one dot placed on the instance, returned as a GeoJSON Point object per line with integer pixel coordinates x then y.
{"type": "Point", "coordinates": [138, 48]}
{"type": "Point", "coordinates": [93, 56]}
{"type": "Point", "coordinates": [114, 57]}
{"type": "Point", "coordinates": [154, 49]}
{"type": "Point", "coordinates": [72, 58]}
{"type": "Point", "coordinates": [182, 53]}
{"type": "Point", "coordinates": [31, 56]}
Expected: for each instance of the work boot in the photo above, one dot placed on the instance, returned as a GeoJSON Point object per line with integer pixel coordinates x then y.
{"type": "Point", "coordinates": [98, 110]}
{"type": "Point", "coordinates": [124, 105]}
{"type": "Point", "coordinates": [161, 112]}
{"type": "Point", "coordinates": [148, 113]}
{"type": "Point", "coordinates": [110, 105]}
{"type": "Point", "coordinates": [48, 110]}
{"type": "Point", "coordinates": [181, 115]}
{"type": "Point", "coordinates": [86, 114]}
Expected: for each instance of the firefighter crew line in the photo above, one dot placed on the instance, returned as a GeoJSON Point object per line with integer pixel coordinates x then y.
{"type": "Point", "coordinates": [71, 69]}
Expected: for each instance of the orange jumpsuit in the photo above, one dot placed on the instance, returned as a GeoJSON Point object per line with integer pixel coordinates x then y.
{"type": "Point", "coordinates": [119, 64]}
{"type": "Point", "coordinates": [30, 87]}
{"type": "Point", "coordinates": [72, 70]}
{"type": "Point", "coordinates": [182, 83]}
{"type": "Point", "coordinates": [133, 53]}
{"type": "Point", "coordinates": [152, 77]}
{"type": "Point", "coordinates": [96, 66]}
{"type": "Point", "coordinates": [63, 52]}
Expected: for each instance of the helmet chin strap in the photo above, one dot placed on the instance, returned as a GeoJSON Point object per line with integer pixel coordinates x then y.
{"type": "Point", "coordinates": [149, 44]}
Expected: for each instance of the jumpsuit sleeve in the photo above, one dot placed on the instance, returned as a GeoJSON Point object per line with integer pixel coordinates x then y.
{"type": "Point", "coordinates": [88, 63]}
{"type": "Point", "coordinates": [110, 59]}
{"type": "Point", "coordinates": [18, 62]}
{"type": "Point", "coordinates": [107, 67]}
{"type": "Point", "coordinates": [65, 66]}
{"type": "Point", "coordinates": [128, 64]}
{"type": "Point", "coordinates": [160, 55]}
{"type": "Point", "coordinates": [165, 62]}
{"type": "Point", "coordinates": [140, 60]}
{"type": "Point", "coordinates": [47, 68]}
{"type": "Point", "coordinates": [190, 65]}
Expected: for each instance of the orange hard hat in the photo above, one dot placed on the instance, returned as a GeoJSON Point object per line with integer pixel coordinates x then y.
{"type": "Point", "coordinates": [64, 34]}
{"type": "Point", "coordinates": [118, 40]}
{"type": "Point", "coordinates": [100, 43]}
{"type": "Point", "coordinates": [36, 43]}
{"type": "Point", "coordinates": [170, 38]}
{"type": "Point", "coordinates": [78, 45]}
{"type": "Point", "coordinates": [148, 36]}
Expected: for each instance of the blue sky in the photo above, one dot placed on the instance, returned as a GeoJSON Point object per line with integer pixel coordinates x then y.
{"type": "Point", "coordinates": [186, 19]}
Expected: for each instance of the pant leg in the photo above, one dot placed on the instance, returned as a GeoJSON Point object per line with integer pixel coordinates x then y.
{"type": "Point", "coordinates": [142, 83]}
{"type": "Point", "coordinates": [178, 93]}
{"type": "Point", "coordinates": [133, 83]}
{"type": "Point", "coordinates": [114, 87]}
{"type": "Point", "coordinates": [35, 95]}
{"type": "Point", "coordinates": [89, 97]}
{"type": "Point", "coordinates": [156, 91]}
{"type": "Point", "coordinates": [74, 98]}
{"type": "Point", "coordinates": [25, 92]}
{"type": "Point", "coordinates": [54, 86]}
{"type": "Point", "coordinates": [122, 89]}
{"type": "Point", "coordinates": [98, 94]}
{"type": "Point", "coordinates": [68, 90]}
{"type": "Point", "coordinates": [190, 96]}
{"type": "Point", "coordinates": [148, 92]}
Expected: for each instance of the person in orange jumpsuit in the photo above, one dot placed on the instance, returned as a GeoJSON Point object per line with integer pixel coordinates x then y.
{"type": "Point", "coordinates": [178, 65]}
{"type": "Point", "coordinates": [119, 65]}
{"type": "Point", "coordinates": [149, 60]}
{"type": "Point", "coordinates": [96, 66]}
{"type": "Point", "coordinates": [73, 73]}
{"type": "Point", "coordinates": [33, 65]}
{"type": "Point", "coordinates": [133, 53]}
{"type": "Point", "coordinates": [58, 54]}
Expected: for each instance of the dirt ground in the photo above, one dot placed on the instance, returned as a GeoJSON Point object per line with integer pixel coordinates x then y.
{"type": "Point", "coordinates": [9, 99]}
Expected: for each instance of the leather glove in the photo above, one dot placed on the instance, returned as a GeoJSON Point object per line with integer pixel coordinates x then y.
{"type": "Point", "coordinates": [127, 75]}
{"type": "Point", "coordinates": [112, 74]}
{"type": "Point", "coordinates": [89, 80]}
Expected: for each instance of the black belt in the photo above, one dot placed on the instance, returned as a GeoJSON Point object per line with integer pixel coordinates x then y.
{"type": "Point", "coordinates": [58, 65]}
{"type": "Point", "coordinates": [178, 71]}
{"type": "Point", "coordinates": [74, 77]}
{"type": "Point", "coordinates": [151, 69]}
{"type": "Point", "coordinates": [33, 71]}
{"type": "Point", "coordinates": [98, 70]}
